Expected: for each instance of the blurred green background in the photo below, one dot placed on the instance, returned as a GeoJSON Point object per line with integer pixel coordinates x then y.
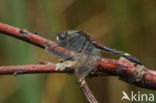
{"type": "Point", "coordinates": [122, 24]}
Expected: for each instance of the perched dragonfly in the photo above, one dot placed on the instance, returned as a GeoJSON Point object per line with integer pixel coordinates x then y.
{"type": "Point", "coordinates": [87, 53]}
{"type": "Point", "coordinates": [80, 42]}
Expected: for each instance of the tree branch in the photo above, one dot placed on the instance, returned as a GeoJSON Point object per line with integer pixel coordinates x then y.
{"type": "Point", "coordinates": [36, 68]}
{"type": "Point", "coordinates": [129, 72]}
{"type": "Point", "coordinates": [34, 39]}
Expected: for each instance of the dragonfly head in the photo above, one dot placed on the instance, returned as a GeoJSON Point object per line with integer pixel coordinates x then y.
{"type": "Point", "coordinates": [63, 35]}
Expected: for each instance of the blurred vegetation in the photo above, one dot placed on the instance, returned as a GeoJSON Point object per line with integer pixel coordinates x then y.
{"type": "Point", "coordinates": [122, 24]}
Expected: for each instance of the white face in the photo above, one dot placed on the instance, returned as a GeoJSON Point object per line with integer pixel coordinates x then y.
{"type": "Point", "coordinates": [57, 38]}
{"type": "Point", "coordinates": [61, 36]}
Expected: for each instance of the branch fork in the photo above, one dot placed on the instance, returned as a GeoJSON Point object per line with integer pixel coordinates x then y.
{"type": "Point", "coordinates": [127, 71]}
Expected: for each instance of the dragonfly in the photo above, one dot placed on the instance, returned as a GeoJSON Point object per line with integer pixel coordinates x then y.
{"type": "Point", "coordinates": [89, 51]}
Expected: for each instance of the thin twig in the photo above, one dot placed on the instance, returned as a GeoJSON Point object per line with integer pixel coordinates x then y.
{"type": "Point", "coordinates": [87, 92]}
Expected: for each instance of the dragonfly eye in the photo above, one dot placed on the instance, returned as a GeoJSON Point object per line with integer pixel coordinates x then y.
{"type": "Point", "coordinates": [61, 36]}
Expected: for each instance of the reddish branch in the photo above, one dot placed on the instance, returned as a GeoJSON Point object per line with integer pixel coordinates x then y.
{"type": "Point", "coordinates": [23, 69]}
{"type": "Point", "coordinates": [127, 71]}
{"type": "Point", "coordinates": [29, 37]}
{"type": "Point", "coordinates": [44, 67]}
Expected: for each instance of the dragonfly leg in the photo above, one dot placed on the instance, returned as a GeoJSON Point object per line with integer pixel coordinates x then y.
{"type": "Point", "coordinates": [69, 55]}
{"type": "Point", "coordinates": [80, 79]}
{"type": "Point", "coordinates": [66, 57]}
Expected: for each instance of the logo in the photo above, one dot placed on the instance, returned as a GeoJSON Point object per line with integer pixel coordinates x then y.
{"type": "Point", "coordinates": [138, 96]}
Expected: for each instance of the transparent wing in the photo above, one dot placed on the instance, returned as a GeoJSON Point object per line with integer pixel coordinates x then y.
{"type": "Point", "coordinates": [51, 53]}
{"type": "Point", "coordinates": [74, 43]}
{"type": "Point", "coordinates": [87, 60]}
